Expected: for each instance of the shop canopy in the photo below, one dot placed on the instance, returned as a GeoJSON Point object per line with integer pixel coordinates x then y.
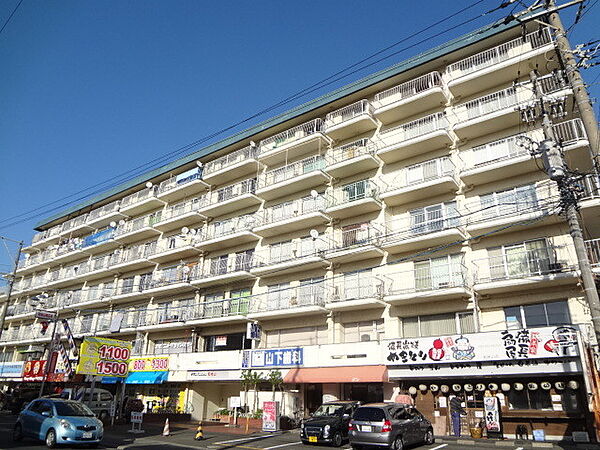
{"type": "Point", "coordinates": [344, 374]}
{"type": "Point", "coordinates": [156, 377]}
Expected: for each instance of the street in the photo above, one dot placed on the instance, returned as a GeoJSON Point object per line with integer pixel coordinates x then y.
{"type": "Point", "coordinates": [183, 437]}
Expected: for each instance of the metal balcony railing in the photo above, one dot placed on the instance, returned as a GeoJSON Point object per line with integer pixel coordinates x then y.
{"type": "Point", "coordinates": [292, 209]}
{"type": "Point", "coordinates": [181, 208]}
{"type": "Point", "coordinates": [229, 226]}
{"type": "Point", "coordinates": [590, 186]}
{"type": "Point", "coordinates": [165, 277]}
{"type": "Point", "coordinates": [103, 211]}
{"type": "Point", "coordinates": [291, 250]}
{"type": "Point", "coordinates": [513, 264]}
{"type": "Point", "coordinates": [349, 151]}
{"type": "Point", "coordinates": [593, 250]}
{"type": "Point", "coordinates": [230, 159]}
{"type": "Point", "coordinates": [411, 130]}
{"type": "Point", "coordinates": [180, 180]}
{"type": "Point", "coordinates": [356, 236]}
{"type": "Point", "coordinates": [138, 223]}
{"type": "Point", "coordinates": [135, 252]}
{"type": "Point", "coordinates": [491, 103]}
{"type": "Point", "coordinates": [74, 222]}
{"type": "Point", "coordinates": [293, 170]}
{"type": "Point", "coordinates": [358, 286]}
{"type": "Point", "coordinates": [290, 136]}
{"type": "Point", "coordinates": [407, 89]}
{"type": "Point", "coordinates": [407, 227]}
{"type": "Point", "coordinates": [139, 196]}
{"type": "Point", "coordinates": [428, 276]}
{"type": "Point", "coordinates": [359, 190]}
{"type": "Point", "coordinates": [500, 53]}
{"type": "Point", "coordinates": [347, 113]}
{"type": "Point", "coordinates": [230, 192]}
{"type": "Point", "coordinates": [173, 243]}
{"type": "Point", "coordinates": [569, 132]}
{"type": "Point", "coordinates": [416, 174]}
{"type": "Point", "coordinates": [313, 294]}
{"type": "Point", "coordinates": [215, 267]}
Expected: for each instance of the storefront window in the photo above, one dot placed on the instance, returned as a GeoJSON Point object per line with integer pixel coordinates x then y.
{"type": "Point", "coordinates": [438, 325]}
{"type": "Point", "coordinates": [219, 343]}
{"type": "Point", "coordinates": [539, 315]}
{"type": "Point", "coordinates": [527, 399]}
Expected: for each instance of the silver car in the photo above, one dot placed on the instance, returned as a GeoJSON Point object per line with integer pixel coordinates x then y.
{"type": "Point", "coordinates": [391, 425]}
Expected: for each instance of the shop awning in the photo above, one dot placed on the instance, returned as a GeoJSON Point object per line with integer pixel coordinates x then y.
{"type": "Point", "coordinates": [147, 377]}
{"type": "Point", "coordinates": [344, 374]}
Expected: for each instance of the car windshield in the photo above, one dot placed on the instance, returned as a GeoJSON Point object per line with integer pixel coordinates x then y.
{"type": "Point", "coordinates": [72, 409]}
{"type": "Point", "coordinates": [329, 410]}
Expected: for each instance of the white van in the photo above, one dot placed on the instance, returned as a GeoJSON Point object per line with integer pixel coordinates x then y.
{"type": "Point", "coordinates": [101, 402]}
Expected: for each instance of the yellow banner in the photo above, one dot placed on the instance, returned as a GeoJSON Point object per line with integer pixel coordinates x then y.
{"type": "Point", "coordinates": [152, 364]}
{"type": "Point", "coordinates": [104, 357]}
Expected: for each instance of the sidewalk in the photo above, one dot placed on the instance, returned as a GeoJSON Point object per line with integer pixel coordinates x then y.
{"type": "Point", "coordinates": [513, 443]}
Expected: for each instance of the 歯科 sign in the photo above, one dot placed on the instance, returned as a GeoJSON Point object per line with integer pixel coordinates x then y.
{"type": "Point", "coordinates": [523, 344]}
{"type": "Point", "coordinates": [152, 364]}
{"type": "Point", "coordinates": [282, 357]}
{"type": "Point", "coordinates": [104, 357]}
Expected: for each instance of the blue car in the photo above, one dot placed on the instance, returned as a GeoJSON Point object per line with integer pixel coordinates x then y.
{"type": "Point", "coordinates": [58, 421]}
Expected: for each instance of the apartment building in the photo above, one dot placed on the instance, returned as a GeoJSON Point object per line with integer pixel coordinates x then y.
{"type": "Point", "coordinates": [390, 238]}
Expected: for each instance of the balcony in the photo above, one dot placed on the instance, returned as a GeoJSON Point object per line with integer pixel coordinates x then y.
{"type": "Point", "coordinates": [141, 202]}
{"type": "Point", "coordinates": [305, 138]}
{"type": "Point", "coordinates": [291, 256]}
{"type": "Point", "coordinates": [232, 166]}
{"type": "Point", "coordinates": [46, 237]}
{"type": "Point", "coordinates": [502, 109]}
{"type": "Point", "coordinates": [181, 186]}
{"type": "Point", "coordinates": [349, 159]}
{"type": "Point", "coordinates": [351, 120]}
{"type": "Point", "coordinates": [593, 251]}
{"type": "Point", "coordinates": [134, 257]}
{"type": "Point", "coordinates": [76, 226]}
{"type": "Point", "coordinates": [171, 280]}
{"type": "Point", "coordinates": [301, 214]}
{"type": "Point", "coordinates": [231, 198]}
{"type": "Point", "coordinates": [424, 180]}
{"type": "Point", "coordinates": [589, 203]}
{"type": "Point", "coordinates": [361, 197]}
{"type": "Point", "coordinates": [524, 269]}
{"type": "Point", "coordinates": [67, 250]}
{"type": "Point", "coordinates": [428, 282]}
{"type": "Point", "coordinates": [175, 247]}
{"type": "Point", "coordinates": [413, 138]}
{"type": "Point", "coordinates": [408, 99]}
{"type": "Point", "coordinates": [294, 177]}
{"type": "Point", "coordinates": [218, 271]}
{"type": "Point", "coordinates": [290, 302]}
{"type": "Point", "coordinates": [138, 228]}
{"type": "Point", "coordinates": [356, 292]}
{"type": "Point", "coordinates": [501, 64]}
{"type": "Point", "coordinates": [96, 267]}
{"type": "Point", "coordinates": [229, 233]}
{"type": "Point", "coordinates": [355, 242]}
{"type": "Point", "coordinates": [103, 216]}
{"type": "Point", "coordinates": [182, 214]}
{"type": "Point", "coordinates": [36, 261]}
{"type": "Point", "coordinates": [424, 231]}
{"type": "Point", "coordinates": [100, 241]}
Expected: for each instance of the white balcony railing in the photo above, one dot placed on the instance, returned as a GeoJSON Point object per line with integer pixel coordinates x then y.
{"type": "Point", "coordinates": [241, 262]}
{"type": "Point", "coordinates": [500, 53]}
{"type": "Point", "coordinates": [313, 294]}
{"type": "Point", "coordinates": [180, 180]}
{"type": "Point", "coordinates": [360, 285]}
{"type": "Point", "coordinates": [229, 226]}
{"type": "Point", "coordinates": [347, 113]}
{"type": "Point", "coordinates": [593, 250]}
{"type": "Point", "coordinates": [411, 130]}
{"type": "Point", "coordinates": [407, 90]}
{"type": "Point", "coordinates": [74, 223]}
{"type": "Point", "coordinates": [293, 170]}
{"type": "Point", "coordinates": [359, 190]}
{"type": "Point", "coordinates": [289, 210]}
{"type": "Point", "coordinates": [416, 174]}
{"type": "Point", "coordinates": [349, 151]}
{"type": "Point", "coordinates": [290, 251]}
{"type": "Point", "coordinates": [290, 136]}
{"type": "Point", "coordinates": [569, 132]}
{"type": "Point", "coordinates": [491, 103]}
{"type": "Point", "coordinates": [182, 208]}
{"type": "Point", "coordinates": [103, 211]}
{"type": "Point", "coordinates": [139, 196]}
{"type": "Point", "coordinates": [428, 276]}
{"type": "Point", "coordinates": [232, 191]}
{"type": "Point", "coordinates": [230, 159]}
{"type": "Point", "coordinates": [138, 223]}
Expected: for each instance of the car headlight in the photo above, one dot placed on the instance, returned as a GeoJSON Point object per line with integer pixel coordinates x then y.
{"type": "Point", "coordinates": [65, 424]}
{"type": "Point", "coordinates": [302, 425]}
{"type": "Point", "coordinates": [326, 429]}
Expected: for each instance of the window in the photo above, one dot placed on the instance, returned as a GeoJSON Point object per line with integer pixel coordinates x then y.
{"type": "Point", "coordinates": [511, 201]}
{"type": "Point", "coordinates": [357, 285]}
{"type": "Point", "coordinates": [369, 414]}
{"type": "Point", "coordinates": [428, 170]}
{"type": "Point", "coordinates": [171, 346]}
{"type": "Point", "coordinates": [527, 399]}
{"type": "Point", "coordinates": [433, 218]}
{"type": "Point", "coordinates": [107, 289]}
{"type": "Point", "coordinates": [145, 281]}
{"type": "Point", "coordinates": [356, 191]}
{"type": "Point", "coordinates": [218, 265]}
{"type": "Point", "coordinates": [521, 259]}
{"type": "Point", "coordinates": [296, 336]}
{"type": "Point", "coordinates": [243, 260]}
{"type": "Point", "coordinates": [213, 305]}
{"type": "Point", "coordinates": [438, 324]}
{"type": "Point", "coordinates": [240, 301]}
{"type": "Point", "coordinates": [281, 251]}
{"type": "Point", "coordinates": [218, 343]}
{"type": "Point", "coordinates": [127, 287]}
{"type": "Point", "coordinates": [538, 315]}
{"type": "Point", "coordinates": [439, 273]}
{"type": "Point", "coordinates": [371, 330]}
{"type": "Point", "coordinates": [358, 233]}
{"type": "Point", "coordinates": [278, 296]}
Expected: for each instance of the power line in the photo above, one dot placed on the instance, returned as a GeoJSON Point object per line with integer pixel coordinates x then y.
{"type": "Point", "coordinates": [11, 16]}
{"type": "Point", "coordinates": [321, 84]}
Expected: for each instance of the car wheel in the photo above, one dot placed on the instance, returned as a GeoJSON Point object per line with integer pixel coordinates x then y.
{"type": "Point", "coordinates": [429, 439]}
{"type": "Point", "coordinates": [398, 444]}
{"type": "Point", "coordinates": [51, 438]}
{"type": "Point", "coordinates": [304, 442]}
{"type": "Point", "coordinates": [337, 439]}
{"type": "Point", "coordinates": [18, 432]}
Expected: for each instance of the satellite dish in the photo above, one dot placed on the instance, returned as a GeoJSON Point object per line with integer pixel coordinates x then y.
{"type": "Point", "coordinates": [113, 224]}
{"type": "Point", "coordinates": [185, 230]}
{"type": "Point", "coordinates": [314, 194]}
{"type": "Point", "coordinates": [252, 144]}
{"type": "Point", "coordinates": [121, 222]}
{"type": "Point", "coordinates": [149, 184]}
{"type": "Point", "coordinates": [193, 231]}
{"type": "Point", "coordinates": [314, 234]}
{"type": "Point", "coordinates": [199, 164]}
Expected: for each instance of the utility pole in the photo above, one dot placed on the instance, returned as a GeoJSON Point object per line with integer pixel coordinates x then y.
{"type": "Point", "coordinates": [558, 172]}
{"type": "Point", "coordinates": [13, 276]}
{"type": "Point", "coordinates": [569, 65]}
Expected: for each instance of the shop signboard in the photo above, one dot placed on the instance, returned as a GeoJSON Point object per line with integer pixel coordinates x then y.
{"type": "Point", "coordinates": [104, 357]}
{"type": "Point", "coordinates": [34, 370]}
{"type": "Point", "coordinates": [491, 410]}
{"type": "Point", "coordinates": [200, 375]}
{"type": "Point", "coordinates": [523, 344]}
{"type": "Point", "coordinates": [11, 369]}
{"type": "Point", "coordinates": [283, 357]}
{"type": "Point", "coordinates": [151, 364]}
{"type": "Point", "coordinates": [220, 341]}
{"type": "Point", "coordinates": [270, 418]}
{"type": "Point", "coordinates": [45, 315]}
{"type": "Point", "coordinates": [136, 417]}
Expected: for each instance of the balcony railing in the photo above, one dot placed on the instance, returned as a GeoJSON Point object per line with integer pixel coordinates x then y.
{"type": "Point", "coordinates": [222, 266]}
{"type": "Point", "coordinates": [103, 211]}
{"type": "Point", "coordinates": [355, 236]}
{"type": "Point", "coordinates": [593, 250]}
{"type": "Point", "coordinates": [411, 130]}
{"type": "Point", "coordinates": [230, 159]}
{"type": "Point", "coordinates": [590, 186]}
{"type": "Point", "coordinates": [292, 209]}
{"type": "Point", "coordinates": [353, 192]}
{"type": "Point", "coordinates": [180, 180]}
{"type": "Point", "coordinates": [569, 132]}
{"type": "Point", "coordinates": [360, 286]}
{"type": "Point", "coordinates": [347, 113]}
{"type": "Point", "coordinates": [229, 226]}
{"type": "Point", "coordinates": [349, 151]}
{"type": "Point", "coordinates": [288, 298]}
{"type": "Point", "coordinates": [519, 264]}
{"type": "Point", "coordinates": [138, 196]}
{"type": "Point", "coordinates": [290, 136]}
{"type": "Point", "coordinates": [181, 208]}
{"type": "Point", "coordinates": [407, 90]}
{"type": "Point", "coordinates": [135, 252]}
{"type": "Point", "coordinates": [233, 191]}
{"type": "Point", "coordinates": [428, 276]}
{"type": "Point", "coordinates": [74, 222]}
{"type": "Point", "coordinates": [167, 277]}
{"type": "Point", "coordinates": [500, 53]}
{"type": "Point", "coordinates": [293, 170]}
{"type": "Point", "coordinates": [423, 172]}
{"type": "Point", "coordinates": [290, 251]}
{"type": "Point", "coordinates": [50, 232]}
{"type": "Point", "coordinates": [491, 103]}
{"type": "Point", "coordinates": [138, 223]}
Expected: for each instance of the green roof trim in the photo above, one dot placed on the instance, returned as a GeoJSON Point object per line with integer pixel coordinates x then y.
{"type": "Point", "coordinates": [410, 63]}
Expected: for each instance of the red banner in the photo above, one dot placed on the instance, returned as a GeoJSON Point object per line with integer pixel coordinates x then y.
{"type": "Point", "coordinates": [34, 370]}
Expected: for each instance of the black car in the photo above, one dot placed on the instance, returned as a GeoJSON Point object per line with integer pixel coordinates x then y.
{"type": "Point", "coordinates": [20, 397]}
{"type": "Point", "coordinates": [328, 424]}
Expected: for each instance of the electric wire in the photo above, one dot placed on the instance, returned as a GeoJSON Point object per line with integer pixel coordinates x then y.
{"type": "Point", "coordinates": [10, 16]}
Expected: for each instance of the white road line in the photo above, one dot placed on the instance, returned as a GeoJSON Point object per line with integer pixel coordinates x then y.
{"type": "Point", "coordinates": [519, 448]}
{"type": "Point", "coordinates": [439, 446]}
{"type": "Point", "coordinates": [252, 438]}
{"type": "Point", "coordinates": [282, 445]}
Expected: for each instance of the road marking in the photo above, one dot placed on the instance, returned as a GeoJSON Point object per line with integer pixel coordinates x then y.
{"type": "Point", "coordinates": [439, 446]}
{"type": "Point", "coordinates": [519, 448]}
{"type": "Point", "coordinates": [283, 445]}
{"type": "Point", "coordinates": [248, 438]}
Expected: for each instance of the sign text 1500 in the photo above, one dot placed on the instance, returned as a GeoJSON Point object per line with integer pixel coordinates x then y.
{"type": "Point", "coordinates": [113, 352]}
{"type": "Point", "coordinates": [111, 368]}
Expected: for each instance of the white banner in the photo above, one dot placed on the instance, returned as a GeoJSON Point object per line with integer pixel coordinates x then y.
{"type": "Point", "coordinates": [529, 343]}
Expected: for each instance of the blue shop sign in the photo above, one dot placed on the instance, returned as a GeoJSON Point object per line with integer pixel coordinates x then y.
{"type": "Point", "coordinates": [282, 357]}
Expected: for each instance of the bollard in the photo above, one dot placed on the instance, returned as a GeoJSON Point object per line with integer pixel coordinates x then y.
{"type": "Point", "coordinates": [199, 433]}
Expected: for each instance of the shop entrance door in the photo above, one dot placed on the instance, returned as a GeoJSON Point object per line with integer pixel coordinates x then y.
{"type": "Point", "coordinates": [313, 397]}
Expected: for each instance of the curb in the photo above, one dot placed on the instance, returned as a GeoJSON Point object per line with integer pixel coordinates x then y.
{"type": "Point", "coordinates": [513, 443]}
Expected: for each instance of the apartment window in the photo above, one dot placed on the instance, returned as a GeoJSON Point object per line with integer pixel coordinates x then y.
{"type": "Point", "coordinates": [168, 312]}
{"type": "Point", "coordinates": [213, 305]}
{"type": "Point", "coordinates": [131, 318]}
{"type": "Point", "coordinates": [218, 265]}
{"type": "Point", "coordinates": [6, 357]}
{"type": "Point", "coordinates": [510, 201]}
{"type": "Point", "coordinates": [311, 203]}
{"type": "Point", "coordinates": [428, 170]}
{"type": "Point", "coordinates": [356, 191]}
{"type": "Point", "coordinates": [496, 151]}
{"type": "Point", "coordinates": [103, 321]}
{"type": "Point", "coordinates": [280, 251]}
{"type": "Point", "coordinates": [225, 193]}
{"type": "Point", "coordinates": [171, 346]}
{"type": "Point", "coordinates": [240, 301]}
{"type": "Point", "coordinates": [357, 285]}
{"type": "Point", "coordinates": [108, 289]}
{"type": "Point", "coordinates": [282, 211]}
{"type": "Point", "coordinates": [278, 296]}
{"type": "Point", "coordinates": [370, 330]}
{"type": "Point", "coordinates": [219, 343]}
{"type": "Point", "coordinates": [243, 260]}
{"type": "Point", "coordinates": [311, 291]}
{"type": "Point", "coordinates": [224, 227]}
{"type": "Point", "coordinates": [145, 281]}
{"type": "Point", "coordinates": [93, 292]}
{"type": "Point", "coordinates": [522, 259]}
{"type": "Point", "coordinates": [86, 323]}
{"type": "Point", "coordinates": [439, 273]}
{"type": "Point", "coordinates": [438, 325]}
{"type": "Point", "coordinates": [433, 218]}
{"type": "Point", "coordinates": [527, 399]}
{"type": "Point", "coordinates": [297, 336]}
{"type": "Point", "coordinates": [127, 287]}
{"type": "Point", "coordinates": [538, 315]}
{"type": "Point", "coordinates": [355, 234]}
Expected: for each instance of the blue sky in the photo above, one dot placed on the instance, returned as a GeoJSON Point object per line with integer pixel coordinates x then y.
{"type": "Point", "coordinates": [92, 89]}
